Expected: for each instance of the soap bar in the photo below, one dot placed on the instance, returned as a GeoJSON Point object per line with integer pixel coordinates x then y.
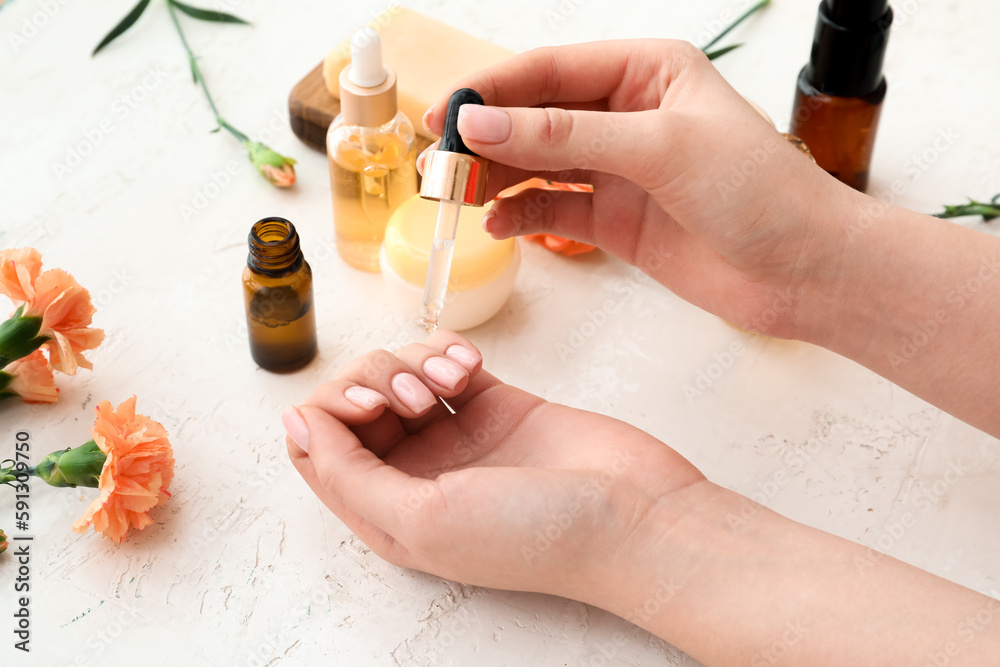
{"type": "Point", "coordinates": [429, 58]}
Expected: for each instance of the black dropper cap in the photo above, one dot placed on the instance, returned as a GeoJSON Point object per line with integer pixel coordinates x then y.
{"type": "Point", "coordinates": [453, 172]}
{"type": "Point", "coordinates": [849, 47]}
{"type": "Point", "coordinates": [451, 140]}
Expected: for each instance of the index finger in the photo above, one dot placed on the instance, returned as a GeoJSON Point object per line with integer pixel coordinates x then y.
{"type": "Point", "coordinates": [570, 74]}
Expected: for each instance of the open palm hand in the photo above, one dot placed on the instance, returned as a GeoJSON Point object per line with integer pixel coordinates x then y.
{"type": "Point", "coordinates": [509, 491]}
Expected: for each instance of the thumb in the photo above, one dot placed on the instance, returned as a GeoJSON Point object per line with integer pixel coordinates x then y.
{"type": "Point", "coordinates": [554, 139]}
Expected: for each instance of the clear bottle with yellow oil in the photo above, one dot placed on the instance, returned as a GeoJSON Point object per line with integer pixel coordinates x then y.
{"type": "Point", "coordinates": [372, 153]}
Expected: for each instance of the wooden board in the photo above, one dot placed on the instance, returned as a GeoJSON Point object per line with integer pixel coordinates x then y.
{"type": "Point", "coordinates": [428, 55]}
{"type": "Point", "coordinates": [311, 109]}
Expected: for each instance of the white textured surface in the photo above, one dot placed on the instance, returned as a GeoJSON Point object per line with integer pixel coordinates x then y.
{"type": "Point", "coordinates": [244, 566]}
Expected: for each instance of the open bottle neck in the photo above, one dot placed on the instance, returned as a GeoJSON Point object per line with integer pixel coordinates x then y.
{"type": "Point", "coordinates": [274, 247]}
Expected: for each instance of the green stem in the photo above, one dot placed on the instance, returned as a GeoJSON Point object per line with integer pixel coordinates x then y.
{"type": "Point", "coordinates": [8, 476]}
{"type": "Point", "coordinates": [712, 55]}
{"type": "Point", "coordinates": [232, 130]}
{"type": "Point", "coordinates": [196, 72]}
{"type": "Point", "coordinates": [989, 210]}
{"type": "Point", "coordinates": [741, 19]}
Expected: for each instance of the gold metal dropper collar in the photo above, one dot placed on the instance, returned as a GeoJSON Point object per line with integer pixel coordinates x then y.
{"type": "Point", "coordinates": [454, 177]}
{"type": "Point", "coordinates": [368, 107]}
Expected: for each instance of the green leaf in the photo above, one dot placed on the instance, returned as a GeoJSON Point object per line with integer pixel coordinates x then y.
{"type": "Point", "coordinates": [19, 338]}
{"type": "Point", "coordinates": [712, 55]}
{"type": "Point", "coordinates": [207, 14]}
{"type": "Point", "coordinates": [125, 24]}
{"type": "Point", "coordinates": [747, 14]}
{"type": "Point", "coordinates": [989, 211]}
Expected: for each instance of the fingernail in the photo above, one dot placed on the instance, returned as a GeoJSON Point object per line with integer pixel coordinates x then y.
{"type": "Point", "coordinates": [445, 373]}
{"type": "Point", "coordinates": [420, 161]}
{"type": "Point", "coordinates": [487, 217]}
{"type": "Point", "coordinates": [412, 392]}
{"type": "Point", "coordinates": [296, 426]}
{"type": "Point", "coordinates": [488, 125]}
{"type": "Point", "coordinates": [462, 355]}
{"type": "Point", "coordinates": [365, 398]}
{"type": "Point", "coordinates": [425, 119]}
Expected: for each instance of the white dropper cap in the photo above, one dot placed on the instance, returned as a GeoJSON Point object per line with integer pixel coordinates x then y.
{"type": "Point", "coordinates": [367, 69]}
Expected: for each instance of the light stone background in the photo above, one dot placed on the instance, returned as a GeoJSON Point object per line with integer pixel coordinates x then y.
{"type": "Point", "coordinates": [244, 566]}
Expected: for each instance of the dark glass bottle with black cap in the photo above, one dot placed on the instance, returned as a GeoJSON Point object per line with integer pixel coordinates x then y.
{"type": "Point", "coordinates": [278, 294]}
{"type": "Point", "coordinates": [840, 92]}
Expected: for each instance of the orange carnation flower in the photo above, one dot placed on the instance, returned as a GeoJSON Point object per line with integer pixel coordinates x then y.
{"type": "Point", "coordinates": [19, 269]}
{"type": "Point", "coordinates": [136, 474]}
{"type": "Point", "coordinates": [31, 379]}
{"type": "Point", "coordinates": [56, 297]}
{"type": "Point", "coordinates": [561, 245]}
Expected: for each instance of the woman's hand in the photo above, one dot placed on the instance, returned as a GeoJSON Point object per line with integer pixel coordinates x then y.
{"type": "Point", "coordinates": [510, 491]}
{"type": "Point", "coordinates": [699, 191]}
{"type": "Point", "coordinates": [514, 492]}
{"type": "Point", "coordinates": [691, 184]}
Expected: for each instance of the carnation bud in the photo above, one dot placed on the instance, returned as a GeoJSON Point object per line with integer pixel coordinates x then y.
{"type": "Point", "coordinates": [80, 466]}
{"type": "Point", "coordinates": [274, 167]}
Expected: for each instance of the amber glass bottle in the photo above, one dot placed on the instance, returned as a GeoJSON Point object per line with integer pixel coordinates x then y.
{"type": "Point", "coordinates": [839, 94]}
{"type": "Point", "coordinates": [277, 291]}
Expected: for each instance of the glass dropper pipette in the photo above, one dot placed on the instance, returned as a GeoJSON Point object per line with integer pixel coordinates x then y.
{"type": "Point", "coordinates": [439, 268]}
{"type": "Point", "coordinates": [454, 176]}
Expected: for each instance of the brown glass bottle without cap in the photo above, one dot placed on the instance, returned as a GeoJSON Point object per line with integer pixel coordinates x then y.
{"type": "Point", "coordinates": [839, 94]}
{"type": "Point", "coordinates": [277, 291]}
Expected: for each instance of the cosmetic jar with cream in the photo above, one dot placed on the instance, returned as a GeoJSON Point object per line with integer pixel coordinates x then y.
{"type": "Point", "coordinates": [482, 271]}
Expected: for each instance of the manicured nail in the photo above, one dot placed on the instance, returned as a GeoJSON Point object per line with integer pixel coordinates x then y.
{"type": "Point", "coordinates": [444, 372]}
{"type": "Point", "coordinates": [420, 161]}
{"type": "Point", "coordinates": [412, 392]}
{"type": "Point", "coordinates": [462, 355]}
{"type": "Point", "coordinates": [365, 398]}
{"type": "Point", "coordinates": [296, 427]}
{"type": "Point", "coordinates": [425, 119]}
{"type": "Point", "coordinates": [488, 125]}
{"type": "Point", "coordinates": [487, 218]}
